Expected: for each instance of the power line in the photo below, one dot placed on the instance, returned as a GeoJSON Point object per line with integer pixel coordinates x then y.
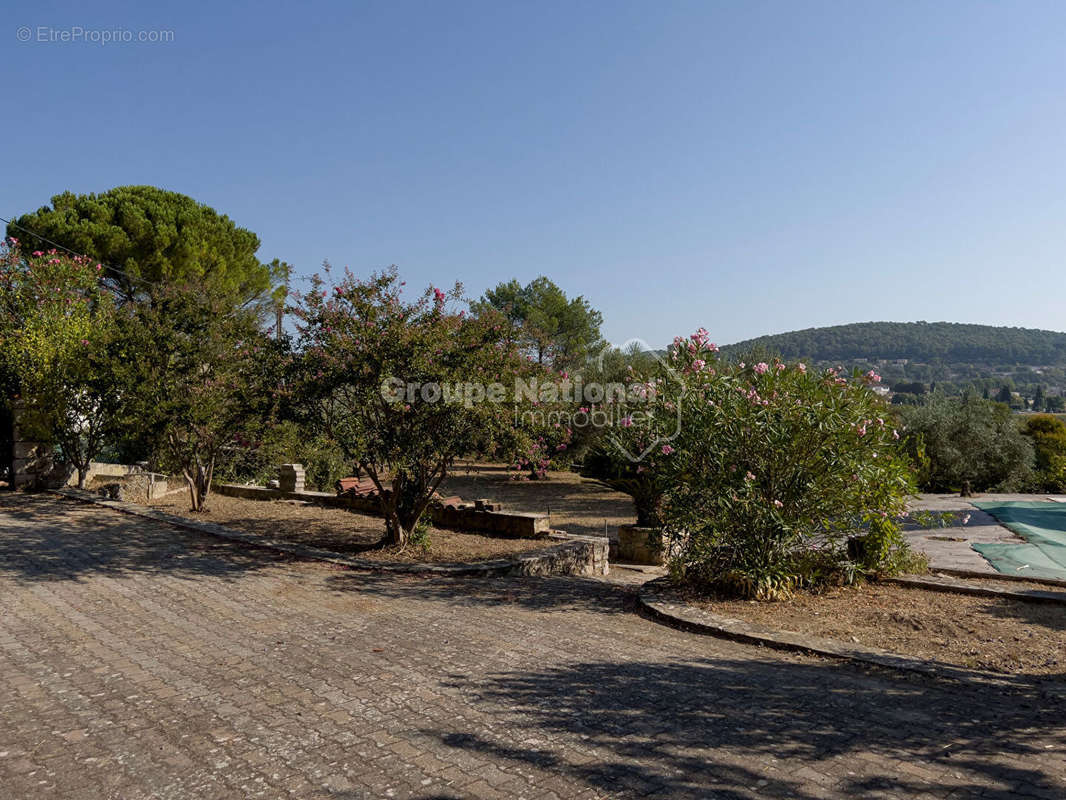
{"type": "Point", "coordinates": [80, 255]}
{"type": "Point", "coordinates": [144, 281]}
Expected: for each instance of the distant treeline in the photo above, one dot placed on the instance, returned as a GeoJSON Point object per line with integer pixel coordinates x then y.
{"type": "Point", "coordinates": [928, 342]}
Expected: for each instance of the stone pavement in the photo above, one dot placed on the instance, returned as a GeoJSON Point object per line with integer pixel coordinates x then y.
{"type": "Point", "coordinates": [949, 547]}
{"type": "Point", "coordinates": [141, 661]}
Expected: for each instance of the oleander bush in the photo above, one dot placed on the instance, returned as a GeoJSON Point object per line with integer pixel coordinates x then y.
{"type": "Point", "coordinates": [778, 477]}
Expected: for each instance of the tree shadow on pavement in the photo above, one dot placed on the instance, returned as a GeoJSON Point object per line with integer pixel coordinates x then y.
{"type": "Point", "coordinates": [47, 538]}
{"type": "Point", "coordinates": [762, 728]}
{"type": "Point", "coordinates": [542, 593]}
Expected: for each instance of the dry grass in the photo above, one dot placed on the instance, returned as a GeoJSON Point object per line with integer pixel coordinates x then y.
{"type": "Point", "coordinates": [1009, 636]}
{"type": "Point", "coordinates": [577, 505]}
{"type": "Point", "coordinates": [342, 531]}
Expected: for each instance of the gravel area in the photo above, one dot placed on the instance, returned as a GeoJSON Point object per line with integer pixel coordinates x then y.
{"type": "Point", "coordinates": [342, 531]}
{"type": "Point", "coordinates": [1005, 636]}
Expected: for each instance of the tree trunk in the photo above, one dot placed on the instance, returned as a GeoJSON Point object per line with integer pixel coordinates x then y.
{"type": "Point", "coordinates": [83, 473]}
{"type": "Point", "coordinates": [401, 519]}
{"type": "Point", "coordinates": [404, 503]}
{"type": "Point", "coordinates": [394, 530]}
{"type": "Point", "coordinates": [199, 481]}
{"type": "Point", "coordinates": [195, 498]}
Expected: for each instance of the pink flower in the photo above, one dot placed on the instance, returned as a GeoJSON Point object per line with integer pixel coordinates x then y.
{"type": "Point", "coordinates": [667, 450]}
{"type": "Point", "coordinates": [895, 434]}
{"type": "Point", "coordinates": [778, 504]}
{"type": "Point", "coordinates": [749, 477]}
{"type": "Point", "coordinates": [873, 377]}
{"type": "Point", "coordinates": [761, 368]}
{"type": "Point", "coordinates": [627, 422]}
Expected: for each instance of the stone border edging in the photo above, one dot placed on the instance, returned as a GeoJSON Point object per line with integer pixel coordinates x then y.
{"type": "Point", "coordinates": [576, 555]}
{"type": "Point", "coordinates": [995, 576]}
{"type": "Point", "coordinates": [958, 587]}
{"type": "Point", "coordinates": [696, 620]}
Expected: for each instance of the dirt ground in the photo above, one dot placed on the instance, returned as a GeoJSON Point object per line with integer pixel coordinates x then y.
{"type": "Point", "coordinates": [576, 505]}
{"type": "Point", "coordinates": [1007, 636]}
{"type": "Point", "coordinates": [342, 531]}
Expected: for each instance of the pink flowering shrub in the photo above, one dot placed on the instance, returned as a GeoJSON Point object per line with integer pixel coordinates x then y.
{"type": "Point", "coordinates": [48, 305]}
{"type": "Point", "coordinates": [543, 446]}
{"type": "Point", "coordinates": [779, 476]}
{"type": "Point", "coordinates": [55, 323]}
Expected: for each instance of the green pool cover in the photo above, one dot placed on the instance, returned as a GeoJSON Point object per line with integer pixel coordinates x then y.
{"type": "Point", "coordinates": [1041, 524]}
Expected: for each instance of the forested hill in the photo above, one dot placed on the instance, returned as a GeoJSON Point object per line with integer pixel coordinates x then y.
{"type": "Point", "coordinates": [927, 342]}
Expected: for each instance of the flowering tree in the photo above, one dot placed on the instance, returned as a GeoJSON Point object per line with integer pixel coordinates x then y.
{"type": "Point", "coordinates": [48, 305]}
{"type": "Point", "coordinates": [405, 387]}
{"type": "Point", "coordinates": [778, 476]}
{"type": "Point", "coordinates": [543, 414]}
{"type": "Point", "coordinates": [55, 325]}
{"type": "Point", "coordinates": [542, 448]}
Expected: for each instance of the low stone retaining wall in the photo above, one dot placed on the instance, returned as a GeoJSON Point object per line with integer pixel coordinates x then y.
{"type": "Point", "coordinates": [498, 523]}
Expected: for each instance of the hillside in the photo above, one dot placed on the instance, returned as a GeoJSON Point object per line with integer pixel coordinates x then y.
{"type": "Point", "coordinates": [924, 342]}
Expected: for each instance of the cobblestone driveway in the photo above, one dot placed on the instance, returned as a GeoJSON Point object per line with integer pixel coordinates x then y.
{"type": "Point", "coordinates": [139, 661]}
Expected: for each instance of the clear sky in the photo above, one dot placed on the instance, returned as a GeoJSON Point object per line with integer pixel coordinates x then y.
{"type": "Point", "coordinates": [751, 167]}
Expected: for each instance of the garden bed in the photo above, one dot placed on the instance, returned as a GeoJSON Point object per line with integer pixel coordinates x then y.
{"type": "Point", "coordinates": [343, 531]}
{"type": "Point", "coordinates": [1006, 636]}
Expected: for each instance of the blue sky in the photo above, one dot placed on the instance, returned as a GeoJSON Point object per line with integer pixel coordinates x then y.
{"type": "Point", "coordinates": [751, 167]}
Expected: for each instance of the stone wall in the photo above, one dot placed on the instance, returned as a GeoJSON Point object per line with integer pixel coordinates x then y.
{"type": "Point", "coordinates": [136, 485]}
{"type": "Point", "coordinates": [102, 469]}
{"type": "Point", "coordinates": [581, 555]}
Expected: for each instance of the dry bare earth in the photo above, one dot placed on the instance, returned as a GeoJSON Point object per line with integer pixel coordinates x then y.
{"type": "Point", "coordinates": [577, 505]}
{"type": "Point", "coordinates": [342, 531]}
{"type": "Point", "coordinates": [1008, 636]}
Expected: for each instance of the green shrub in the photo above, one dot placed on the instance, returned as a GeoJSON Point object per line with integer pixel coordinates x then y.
{"type": "Point", "coordinates": [775, 477]}
{"type": "Point", "coordinates": [960, 440]}
{"type": "Point", "coordinates": [1048, 436]}
{"type": "Point", "coordinates": [288, 443]}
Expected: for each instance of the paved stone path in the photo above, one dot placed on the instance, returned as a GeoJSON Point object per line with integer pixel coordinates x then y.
{"type": "Point", "coordinates": [140, 661]}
